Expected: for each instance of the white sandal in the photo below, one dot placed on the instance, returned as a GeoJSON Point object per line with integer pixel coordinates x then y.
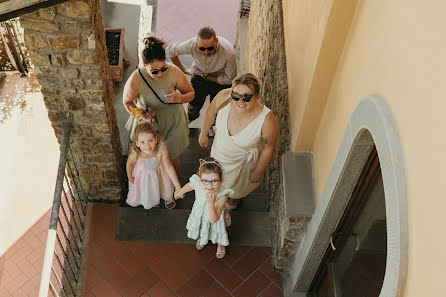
{"type": "Point", "coordinates": [198, 246]}
{"type": "Point", "coordinates": [220, 253]}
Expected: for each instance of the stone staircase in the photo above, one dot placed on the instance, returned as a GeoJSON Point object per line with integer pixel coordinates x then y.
{"type": "Point", "coordinates": [250, 222]}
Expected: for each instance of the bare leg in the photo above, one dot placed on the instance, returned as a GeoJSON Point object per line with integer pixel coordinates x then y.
{"type": "Point", "coordinates": [176, 164]}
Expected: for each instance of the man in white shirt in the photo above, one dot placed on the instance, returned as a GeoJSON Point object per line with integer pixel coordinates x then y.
{"type": "Point", "coordinates": [213, 68]}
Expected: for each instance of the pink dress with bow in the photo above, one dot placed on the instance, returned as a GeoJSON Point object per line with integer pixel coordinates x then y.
{"type": "Point", "coordinates": [151, 182]}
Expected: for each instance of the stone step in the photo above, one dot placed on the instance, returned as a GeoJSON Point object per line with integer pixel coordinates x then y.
{"type": "Point", "coordinates": [169, 225]}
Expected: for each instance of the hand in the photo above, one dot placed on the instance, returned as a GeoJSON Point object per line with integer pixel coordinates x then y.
{"type": "Point", "coordinates": [178, 194]}
{"type": "Point", "coordinates": [211, 197]}
{"type": "Point", "coordinates": [203, 139]}
{"type": "Point", "coordinates": [190, 72]}
{"type": "Point", "coordinates": [173, 97]}
{"type": "Point", "coordinates": [132, 180]}
{"type": "Point", "coordinates": [255, 177]}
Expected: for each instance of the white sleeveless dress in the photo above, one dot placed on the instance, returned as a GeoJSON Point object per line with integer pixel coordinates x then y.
{"type": "Point", "coordinates": [238, 154]}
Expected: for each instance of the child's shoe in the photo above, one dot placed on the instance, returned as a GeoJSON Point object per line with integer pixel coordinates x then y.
{"type": "Point", "coordinates": [170, 204]}
{"type": "Point", "coordinates": [221, 252]}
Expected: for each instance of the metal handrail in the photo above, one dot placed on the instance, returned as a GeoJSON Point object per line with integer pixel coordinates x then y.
{"type": "Point", "coordinates": [65, 250]}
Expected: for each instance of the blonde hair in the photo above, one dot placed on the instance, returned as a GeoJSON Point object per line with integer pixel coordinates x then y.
{"type": "Point", "coordinates": [206, 32]}
{"type": "Point", "coordinates": [145, 128]}
{"type": "Point", "coordinates": [249, 80]}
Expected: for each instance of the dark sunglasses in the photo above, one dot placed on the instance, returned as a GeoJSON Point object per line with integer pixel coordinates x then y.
{"type": "Point", "coordinates": [162, 69]}
{"type": "Point", "coordinates": [236, 96]}
{"type": "Point", "coordinates": [211, 48]}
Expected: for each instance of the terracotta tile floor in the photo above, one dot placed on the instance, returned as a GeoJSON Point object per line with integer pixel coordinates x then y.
{"type": "Point", "coordinates": [117, 268]}
{"type": "Point", "coordinates": [21, 264]}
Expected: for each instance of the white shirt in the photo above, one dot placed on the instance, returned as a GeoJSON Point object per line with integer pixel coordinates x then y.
{"type": "Point", "coordinates": [222, 63]}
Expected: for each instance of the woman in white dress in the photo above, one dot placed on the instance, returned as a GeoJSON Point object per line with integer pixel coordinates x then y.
{"type": "Point", "coordinates": [246, 135]}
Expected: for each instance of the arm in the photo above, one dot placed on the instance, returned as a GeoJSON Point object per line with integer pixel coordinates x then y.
{"type": "Point", "coordinates": [131, 91]}
{"type": "Point", "coordinates": [210, 115]}
{"type": "Point", "coordinates": [270, 134]}
{"type": "Point", "coordinates": [170, 170]}
{"type": "Point", "coordinates": [177, 61]}
{"type": "Point", "coordinates": [213, 79]}
{"type": "Point", "coordinates": [185, 189]}
{"type": "Point", "coordinates": [214, 208]}
{"type": "Point", "coordinates": [130, 165]}
{"type": "Point", "coordinates": [183, 85]}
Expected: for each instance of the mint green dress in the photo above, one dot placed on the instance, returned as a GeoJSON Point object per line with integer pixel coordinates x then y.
{"type": "Point", "coordinates": [173, 123]}
{"type": "Point", "coordinates": [198, 225]}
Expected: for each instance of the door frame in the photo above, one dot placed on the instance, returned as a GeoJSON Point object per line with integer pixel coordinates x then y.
{"type": "Point", "coordinates": [370, 125]}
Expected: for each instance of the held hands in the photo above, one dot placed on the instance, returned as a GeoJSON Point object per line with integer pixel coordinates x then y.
{"type": "Point", "coordinates": [203, 139]}
{"type": "Point", "coordinates": [132, 179]}
{"type": "Point", "coordinates": [173, 97]}
{"type": "Point", "coordinates": [178, 194]}
{"type": "Point", "coordinates": [255, 177]}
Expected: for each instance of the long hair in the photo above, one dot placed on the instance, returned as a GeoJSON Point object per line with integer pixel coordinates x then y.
{"type": "Point", "coordinates": [145, 128]}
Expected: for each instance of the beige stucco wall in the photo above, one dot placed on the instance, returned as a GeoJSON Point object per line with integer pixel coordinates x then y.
{"type": "Point", "coordinates": [394, 50]}
{"type": "Point", "coordinates": [303, 21]}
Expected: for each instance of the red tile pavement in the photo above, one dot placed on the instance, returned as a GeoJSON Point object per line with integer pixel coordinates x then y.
{"type": "Point", "coordinates": [118, 268]}
{"type": "Point", "coordinates": [21, 264]}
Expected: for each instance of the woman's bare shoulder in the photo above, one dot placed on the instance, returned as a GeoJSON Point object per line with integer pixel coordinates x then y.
{"type": "Point", "coordinates": [222, 96]}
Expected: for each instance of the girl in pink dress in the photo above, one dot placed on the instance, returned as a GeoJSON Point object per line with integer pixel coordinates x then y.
{"type": "Point", "coordinates": [149, 170]}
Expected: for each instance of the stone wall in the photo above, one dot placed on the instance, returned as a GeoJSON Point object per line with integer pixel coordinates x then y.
{"type": "Point", "coordinates": [67, 47]}
{"type": "Point", "coordinates": [265, 57]}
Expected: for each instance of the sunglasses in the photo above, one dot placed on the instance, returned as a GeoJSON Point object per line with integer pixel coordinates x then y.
{"type": "Point", "coordinates": [162, 69]}
{"type": "Point", "coordinates": [210, 182]}
{"type": "Point", "coordinates": [246, 97]}
{"type": "Point", "coordinates": [211, 48]}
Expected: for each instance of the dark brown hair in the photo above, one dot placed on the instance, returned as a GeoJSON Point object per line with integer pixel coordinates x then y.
{"type": "Point", "coordinates": [153, 50]}
{"type": "Point", "coordinates": [210, 165]}
{"type": "Point", "coordinates": [206, 32]}
{"type": "Point", "coordinates": [249, 80]}
{"type": "Point", "coordinates": [145, 128]}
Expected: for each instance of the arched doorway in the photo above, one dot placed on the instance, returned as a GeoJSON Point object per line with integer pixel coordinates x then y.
{"type": "Point", "coordinates": [355, 261]}
{"type": "Point", "coordinates": [370, 126]}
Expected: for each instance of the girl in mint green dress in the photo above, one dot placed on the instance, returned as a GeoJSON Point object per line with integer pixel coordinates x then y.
{"type": "Point", "coordinates": [207, 218]}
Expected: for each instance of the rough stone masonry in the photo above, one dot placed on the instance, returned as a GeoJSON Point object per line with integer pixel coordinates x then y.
{"type": "Point", "coordinates": [66, 43]}
{"type": "Point", "coordinates": [265, 57]}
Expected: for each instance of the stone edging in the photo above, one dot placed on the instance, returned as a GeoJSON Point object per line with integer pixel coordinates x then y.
{"type": "Point", "coordinates": [370, 123]}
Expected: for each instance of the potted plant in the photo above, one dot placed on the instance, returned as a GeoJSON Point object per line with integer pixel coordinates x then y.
{"type": "Point", "coordinates": [114, 39]}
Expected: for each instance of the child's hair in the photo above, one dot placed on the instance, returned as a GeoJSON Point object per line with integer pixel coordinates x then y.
{"type": "Point", "coordinates": [210, 165]}
{"type": "Point", "coordinates": [145, 128]}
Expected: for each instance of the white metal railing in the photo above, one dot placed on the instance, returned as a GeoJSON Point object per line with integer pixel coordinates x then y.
{"type": "Point", "coordinates": [61, 266]}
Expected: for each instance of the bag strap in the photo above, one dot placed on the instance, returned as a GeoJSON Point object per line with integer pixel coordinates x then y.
{"type": "Point", "coordinates": [139, 69]}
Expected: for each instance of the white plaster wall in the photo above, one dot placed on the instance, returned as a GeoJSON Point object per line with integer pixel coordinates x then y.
{"type": "Point", "coordinates": [29, 156]}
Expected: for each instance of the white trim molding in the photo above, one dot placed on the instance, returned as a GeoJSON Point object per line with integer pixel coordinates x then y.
{"type": "Point", "coordinates": [370, 124]}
